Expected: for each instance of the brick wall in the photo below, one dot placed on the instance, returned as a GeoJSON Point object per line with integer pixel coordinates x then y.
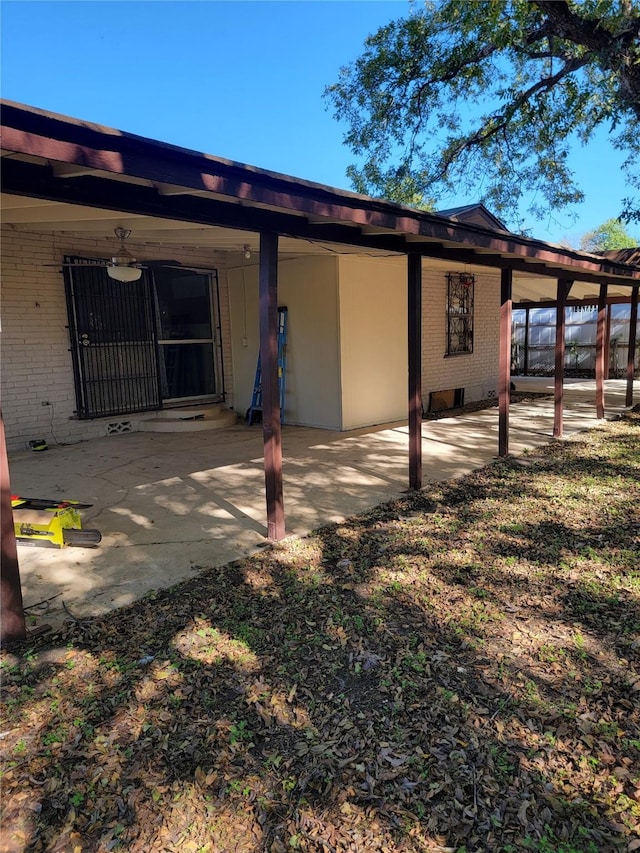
{"type": "Point", "coordinates": [477, 372]}
{"type": "Point", "coordinates": [36, 365]}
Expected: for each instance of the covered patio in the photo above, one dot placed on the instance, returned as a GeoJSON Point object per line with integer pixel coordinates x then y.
{"type": "Point", "coordinates": [170, 505]}
{"type": "Point", "coordinates": [62, 174]}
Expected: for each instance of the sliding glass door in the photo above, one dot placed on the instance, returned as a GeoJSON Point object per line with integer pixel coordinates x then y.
{"type": "Point", "coordinates": [186, 321]}
{"type": "Point", "coordinates": [142, 345]}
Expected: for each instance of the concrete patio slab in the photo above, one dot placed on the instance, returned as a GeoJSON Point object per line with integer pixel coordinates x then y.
{"type": "Point", "coordinates": [169, 505]}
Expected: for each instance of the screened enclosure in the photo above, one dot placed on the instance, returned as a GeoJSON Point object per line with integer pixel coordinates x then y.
{"type": "Point", "coordinates": [533, 334]}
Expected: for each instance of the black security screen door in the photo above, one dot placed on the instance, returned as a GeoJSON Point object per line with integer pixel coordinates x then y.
{"type": "Point", "coordinates": [113, 342]}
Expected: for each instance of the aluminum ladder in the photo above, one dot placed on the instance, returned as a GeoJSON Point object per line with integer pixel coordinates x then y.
{"type": "Point", "coordinates": [256, 398]}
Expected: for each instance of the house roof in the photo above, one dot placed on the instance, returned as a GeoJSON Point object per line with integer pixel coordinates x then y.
{"type": "Point", "coordinates": [69, 169]}
{"type": "Point", "coordinates": [624, 256]}
{"type": "Point", "coordinates": [476, 213]}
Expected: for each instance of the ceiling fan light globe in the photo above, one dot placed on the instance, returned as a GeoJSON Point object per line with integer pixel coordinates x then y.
{"type": "Point", "coordinates": [124, 273]}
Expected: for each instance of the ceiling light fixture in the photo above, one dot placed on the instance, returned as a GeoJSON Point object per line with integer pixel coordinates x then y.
{"type": "Point", "coordinates": [122, 266]}
{"type": "Point", "coordinates": [120, 272]}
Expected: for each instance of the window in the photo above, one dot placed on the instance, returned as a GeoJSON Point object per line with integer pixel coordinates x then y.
{"type": "Point", "coordinates": [460, 288]}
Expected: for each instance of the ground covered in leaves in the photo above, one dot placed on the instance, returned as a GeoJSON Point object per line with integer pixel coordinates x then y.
{"type": "Point", "coordinates": [454, 671]}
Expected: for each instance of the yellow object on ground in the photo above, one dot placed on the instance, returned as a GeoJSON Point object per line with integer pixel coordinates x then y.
{"type": "Point", "coordinates": [50, 522]}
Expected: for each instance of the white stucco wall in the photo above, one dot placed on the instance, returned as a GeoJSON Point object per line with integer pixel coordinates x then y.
{"type": "Point", "coordinates": [373, 336]}
{"type": "Point", "coordinates": [347, 347]}
{"type": "Point", "coordinates": [373, 340]}
{"type": "Point", "coordinates": [308, 288]}
{"type": "Point", "coordinates": [35, 365]}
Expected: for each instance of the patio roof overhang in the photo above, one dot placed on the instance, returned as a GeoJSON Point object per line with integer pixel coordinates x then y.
{"type": "Point", "coordinates": [56, 160]}
{"type": "Point", "coordinates": [62, 174]}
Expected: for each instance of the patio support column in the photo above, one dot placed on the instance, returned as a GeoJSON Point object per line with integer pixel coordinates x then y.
{"type": "Point", "coordinates": [12, 623]}
{"type": "Point", "coordinates": [504, 378]}
{"type": "Point", "coordinates": [268, 287]}
{"type": "Point", "coordinates": [601, 333]}
{"type": "Point", "coordinates": [633, 323]}
{"type": "Point", "coordinates": [526, 341]}
{"type": "Point", "coordinates": [607, 346]}
{"type": "Point", "coordinates": [564, 286]}
{"type": "Point", "coordinates": [414, 282]}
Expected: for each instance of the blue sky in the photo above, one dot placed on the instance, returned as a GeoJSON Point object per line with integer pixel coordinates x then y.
{"type": "Point", "coordinates": [241, 79]}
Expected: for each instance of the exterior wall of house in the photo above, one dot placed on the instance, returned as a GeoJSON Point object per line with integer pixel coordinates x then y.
{"type": "Point", "coordinates": [373, 336]}
{"type": "Point", "coordinates": [307, 286]}
{"type": "Point", "coordinates": [36, 361]}
{"type": "Point", "coordinates": [347, 338]}
{"type": "Point", "coordinates": [476, 372]}
{"type": "Point", "coordinates": [373, 340]}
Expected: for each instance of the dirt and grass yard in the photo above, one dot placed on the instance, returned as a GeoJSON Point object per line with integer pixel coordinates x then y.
{"type": "Point", "coordinates": [454, 671]}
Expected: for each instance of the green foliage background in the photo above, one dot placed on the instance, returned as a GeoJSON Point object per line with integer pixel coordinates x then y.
{"type": "Point", "coordinates": [489, 98]}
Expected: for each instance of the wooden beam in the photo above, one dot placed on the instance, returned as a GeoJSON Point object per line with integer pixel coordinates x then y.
{"type": "Point", "coordinates": [607, 346]}
{"type": "Point", "coordinates": [172, 189]}
{"type": "Point", "coordinates": [20, 178]}
{"type": "Point", "coordinates": [526, 340]}
{"type": "Point", "coordinates": [69, 170]}
{"type": "Point", "coordinates": [588, 300]}
{"type": "Point", "coordinates": [601, 333]}
{"type": "Point", "coordinates": [52, 137]}
{"type": "Point", "coordinates": [564, 286]}
{"type": "Point", "coordinates": [504, 368]}
{"type": "Point", "coordinates": [12, 622]}
{"type": "Point", "coordinates": [56, 216]}
{"type": "Point", "coordinates": [414, 283]}
{"type": "Point", "coordinates": [268, 287]}
{"type": "Point", "coordinates": [633, 324]}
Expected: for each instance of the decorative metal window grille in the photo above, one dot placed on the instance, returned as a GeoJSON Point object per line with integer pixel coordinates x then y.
{"type": "Point", "coordinates": [460, 287]}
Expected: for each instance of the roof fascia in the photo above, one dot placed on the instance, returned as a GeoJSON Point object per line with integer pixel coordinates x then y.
{"type": "Point", "coordinates": [28, 179]}
{"type": "Point", "coordinates": [34, 133]}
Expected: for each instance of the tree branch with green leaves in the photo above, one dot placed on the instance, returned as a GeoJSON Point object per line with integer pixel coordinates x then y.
{"type": "Point", "coordinates": [489, 98]}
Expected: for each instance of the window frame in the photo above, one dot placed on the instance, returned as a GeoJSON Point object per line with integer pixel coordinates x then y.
{"type": "Point", "coordinates": [460, 313]}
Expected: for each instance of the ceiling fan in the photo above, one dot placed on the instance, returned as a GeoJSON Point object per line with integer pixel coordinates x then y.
{"type": "Point", "coordinates": [122, 266]}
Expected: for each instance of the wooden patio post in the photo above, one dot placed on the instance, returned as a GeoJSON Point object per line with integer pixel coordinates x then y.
{"type": "Point", "coordinates": [601, 334]}
{"type": "Point", "coordinates": [526, 341]}
{"type": "Point", "coordinates": [414, 282]}
{"type": "Point", "coordinates": [633, 323]}
{"type": "Point", "coordinates": [504, 364]}
{"type": "Point", "coordinates": [268, 287]}
{"type": "Point", "coordinates": [607, 346]}
{"type": "Point", "coordinates": [564, 286]}
{"type": "Point", "coordinates": [12, 622]}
